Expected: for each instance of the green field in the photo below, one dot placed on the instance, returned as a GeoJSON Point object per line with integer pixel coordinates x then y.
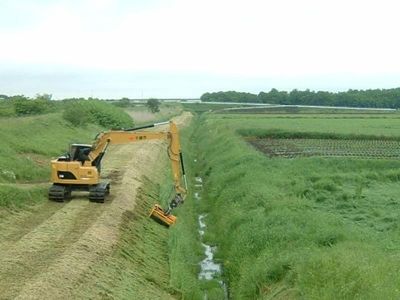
{"type": "Point", "coordinates": [304, 228]}
{"type": "Point", "coordinates": [320, 226]}
{"type": "Point", "coordinates": [144, 262]}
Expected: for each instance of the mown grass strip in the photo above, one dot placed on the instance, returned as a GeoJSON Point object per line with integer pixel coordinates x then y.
{"type": "Point", "coordinates": [138, 268]}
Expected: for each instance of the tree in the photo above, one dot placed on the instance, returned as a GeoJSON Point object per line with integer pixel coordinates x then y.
{"type": "Point", "coordinates": [153, 105]}
{"type": "Point", "coordinates": [44, 97]}
{"type": "Point", "coordinates": [389, 98]}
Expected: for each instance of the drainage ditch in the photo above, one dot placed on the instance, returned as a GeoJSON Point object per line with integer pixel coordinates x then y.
{"type": "Point", "coordinates": [209, 269]}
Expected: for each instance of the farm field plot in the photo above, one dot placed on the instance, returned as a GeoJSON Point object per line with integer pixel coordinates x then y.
{"type": "Point", "coordinates": [368, 124]}
{"type": "Point", "coordinates": [379, 149]}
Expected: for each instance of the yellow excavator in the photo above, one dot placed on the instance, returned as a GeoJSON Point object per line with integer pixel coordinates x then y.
{"type": "Point", "coordinates": [80, 168]}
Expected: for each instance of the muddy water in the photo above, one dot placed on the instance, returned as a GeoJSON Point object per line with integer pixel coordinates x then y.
{"type": "Point", "coordinates": [209, 269]}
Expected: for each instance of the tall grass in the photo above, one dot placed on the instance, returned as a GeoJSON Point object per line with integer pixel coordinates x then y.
{"type": "Point", "coordinates": [307, 228]}
{"type": "Point", "coordinates": [14, 197]}
{"type": "Point", "coordinates": [27, 144]}
{"type": "Point", "coordinates": [185, 250]}
{"type": "Point", "coordinates": [141, 114]}
{"type": "Point", "coordinates": [83, 112]}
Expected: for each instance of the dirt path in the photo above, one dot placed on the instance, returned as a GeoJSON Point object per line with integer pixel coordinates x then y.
{"type": "Point", "coordinates": [46, 251]}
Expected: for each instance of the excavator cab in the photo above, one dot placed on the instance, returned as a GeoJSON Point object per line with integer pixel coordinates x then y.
{"type": "Point", "coordinates": [79, 151]}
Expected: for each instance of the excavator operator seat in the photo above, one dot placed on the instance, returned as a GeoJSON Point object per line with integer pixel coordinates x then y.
{"type": "Point", "coordinates": [79, 152]}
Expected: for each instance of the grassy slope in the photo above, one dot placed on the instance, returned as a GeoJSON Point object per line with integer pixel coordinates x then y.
{"type": "Point", "coordinates": [27, 144]}
{"type": "Point", "coordinates": [138, 267]}
{"type": "Point", "coordinates": [302, 228]}
{"type": "Point", "coordinates": [142, 115]}
{"type": "Point", "coordinates": [185, 250]}
{"type": "Point", "coordinates": [150, 261]}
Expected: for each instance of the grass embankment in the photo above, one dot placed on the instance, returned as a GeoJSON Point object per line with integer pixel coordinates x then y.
{"type": "Point", "coordinates": [185, 250]}
{"type": "Point", "coordinates": [27, 144]}
{"type": "Point", "coordinates": [138, 267]}
{"type": "Point", "coordinates": [306, 228]}
{"type": "Point", "coordinates": [151, 261]}
{"type": "Point", "coordinates": [142, 115]}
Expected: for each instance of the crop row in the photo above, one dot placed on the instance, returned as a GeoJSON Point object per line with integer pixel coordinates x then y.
{"type": "Point", "coordinates": [328, 147]}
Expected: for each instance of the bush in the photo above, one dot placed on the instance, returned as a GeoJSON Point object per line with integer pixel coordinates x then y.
{"type": "Point", "coordinates": [76, 115]}
{"type": "Point", "coordinates": [82, 112]}
{"type": "Point", "coordinates": [6, 109]}
{"type": "Point", "coordinates": [123, 102]}
{"type": "Point", "coordinates": [25, 106]}
{"type": "Point", "coordinates": [153, 105]}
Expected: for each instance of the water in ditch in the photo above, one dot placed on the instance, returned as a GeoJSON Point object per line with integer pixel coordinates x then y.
{"type": "Point", "coordinates": [209, 269]}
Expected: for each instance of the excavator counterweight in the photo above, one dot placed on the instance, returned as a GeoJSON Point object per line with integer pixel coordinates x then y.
{"type": "Point", "coordinates": [80, 168]}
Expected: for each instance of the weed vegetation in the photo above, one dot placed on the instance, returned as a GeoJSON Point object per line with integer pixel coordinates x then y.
{"type": "Point", "coordinates": [83, 112]}
{"type": "Point", "coordinates": [16, 197]}
{"type": "Point", "coordinates": [22, 106]}
{"type": "Point", "coordinates": [141, 114]}
{"type": "Point", "coordinates": [185, 250]}
{"type": "Point", "coordinates": [303, 228]}
{"type": "Point", "coordinates": [27, 144]}
{"type": "Point", "coordinates": [31, 139]}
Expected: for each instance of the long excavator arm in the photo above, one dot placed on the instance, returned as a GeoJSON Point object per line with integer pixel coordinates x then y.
{"type": "Point", "coordinates": [174, 153]}
{"type": "Point", "coordinates": [89, 161]}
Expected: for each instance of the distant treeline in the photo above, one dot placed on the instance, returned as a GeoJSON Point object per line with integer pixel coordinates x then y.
{"type": "Point", "coordinates": [385, 98]}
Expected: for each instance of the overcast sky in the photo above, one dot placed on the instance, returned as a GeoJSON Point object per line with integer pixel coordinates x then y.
{"type": "Point", "coordinates": [182, 48]}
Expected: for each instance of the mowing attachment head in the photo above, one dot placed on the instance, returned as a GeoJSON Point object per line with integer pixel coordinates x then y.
{"type": "Point", "coordinates": [158, 214]}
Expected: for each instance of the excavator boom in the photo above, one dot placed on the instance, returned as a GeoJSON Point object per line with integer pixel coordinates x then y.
{"type": "Point", "coordinates": [80, 168]}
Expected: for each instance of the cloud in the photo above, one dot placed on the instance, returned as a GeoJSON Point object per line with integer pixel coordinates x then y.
{"type": "Point", "coordinates": [239, 38]}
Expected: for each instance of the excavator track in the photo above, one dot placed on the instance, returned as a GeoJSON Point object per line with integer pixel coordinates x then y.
{"type": "Point", "coordinates": [98, 192]}
{"type": "Point", "coordinates": [59, 192]}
